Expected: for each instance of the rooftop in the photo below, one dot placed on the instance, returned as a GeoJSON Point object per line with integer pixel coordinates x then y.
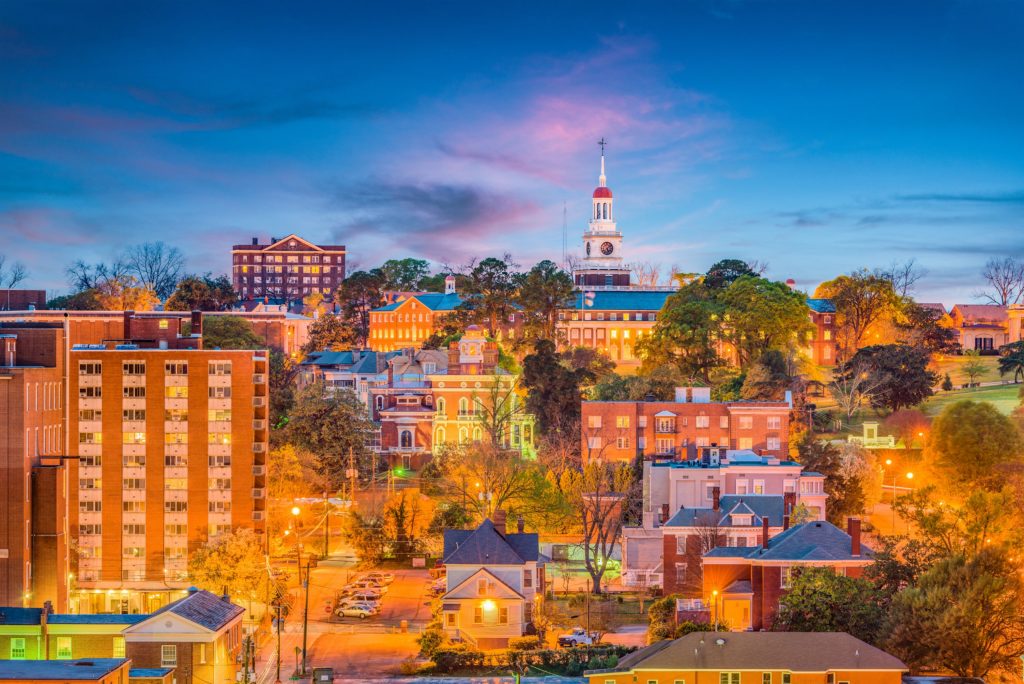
{"type": "Point", "coordinates": [204, 608]}
{"type": "Point", "coordinates": [810, 541]}
{"type": "Point", "coordinates": [821, 305]}
{"type": "Point", "coordinates": [80, 670]}
{"type": "Point", "coordinates": [486, 546]}
{"type": "Point", "coordinates": [759, 506]}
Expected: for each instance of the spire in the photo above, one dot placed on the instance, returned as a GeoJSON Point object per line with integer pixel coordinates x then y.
{"type": "Point", "coordinates": [602, 181]}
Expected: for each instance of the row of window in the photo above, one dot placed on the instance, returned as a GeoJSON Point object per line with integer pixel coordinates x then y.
{"type": "Point", "coordinates": [64, 651]}
{"type": "Point", "coordinates": [668, 424]}
{"type": "Point", "coordinates": [140, 392]}
{"type": "Point", "coordinates": [611, 316]}
{"type": "Point", "coordinates": [290, 259]}
{"type": "Point", "coordinates": [140, 506]}
{"type": "Point", "coordinates": [170, 530]}
{"type": "Point", "coordinates": [139, 367]}
{"type": "Point", "coordinates": [139, 438]}
{"type": "Point", "coordinates": [284, 269]}
{"type": "Point", "coordinates": [170, 415]}
{"type": "Point", "coordinates": [137, 483]}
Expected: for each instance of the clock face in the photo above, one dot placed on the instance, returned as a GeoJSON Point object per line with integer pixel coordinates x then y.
{"type": "Point", "coordinates": [588, 249]}
{"type": "Point", "coordinates": [607, 248]}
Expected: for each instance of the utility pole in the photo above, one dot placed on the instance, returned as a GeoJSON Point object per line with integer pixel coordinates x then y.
{"type": "Point", "coordinates": [327, 524]}
{"type": "Point", "coordinates": [305, 621]}
{"type": "Point", "coordinates": [278, 641]}
{"type": "Point", "coordinates": [352, 473]}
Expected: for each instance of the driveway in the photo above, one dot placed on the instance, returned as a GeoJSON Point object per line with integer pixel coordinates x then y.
{"type": "Point", "coordinates": [406, 599]}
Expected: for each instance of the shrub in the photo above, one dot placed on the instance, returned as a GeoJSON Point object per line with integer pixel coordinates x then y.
{"type": "Point", "coordinates": [430, 641]}
{"type": "Point", "coordinates": [526, 643]}
{"type": "Point", "coordinates": [452, 658]}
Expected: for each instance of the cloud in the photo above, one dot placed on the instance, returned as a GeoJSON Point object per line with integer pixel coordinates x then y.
{"type": "Point", "coordinates": [1012, 197]}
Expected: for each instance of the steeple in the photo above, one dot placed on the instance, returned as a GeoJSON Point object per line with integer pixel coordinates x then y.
{"type": "Point", "coordinates": [602, 181]}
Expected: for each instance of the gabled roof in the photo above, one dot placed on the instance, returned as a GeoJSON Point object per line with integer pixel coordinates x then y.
{"type": "Point", "coordinates": [757, 505]}
{"type": "Point", "coordinates": [203, 608]}
{"type": "Point", "coordinates": [821, 305]}
{"type": "Point", "coordinates": [933, 306]}
{"type": "Point", "coordinates": [811, 541]}
{"type": "Point", "coordinates": [981, 313]}
{"type": "Point", "coordinates": [486, 546]}
{"type": "Point", "coordinates": [475, 575]}
{"type": "Point", "coordinates": [623, 300]}
{"type": "Point", "coordinates": [792, 651]}
{"type": "Point", "coordinates": [435, 301]}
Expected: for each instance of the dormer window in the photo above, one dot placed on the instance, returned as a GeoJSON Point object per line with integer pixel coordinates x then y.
{"type": "Point", "coordinates": [742, 520]}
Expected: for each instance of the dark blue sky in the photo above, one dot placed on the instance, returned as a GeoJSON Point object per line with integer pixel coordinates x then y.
{"type": "Point", "coordinates": [819, 137]}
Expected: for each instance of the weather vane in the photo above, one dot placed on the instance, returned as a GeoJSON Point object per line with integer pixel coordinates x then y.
{"type": "Point", "coordinates": [602, 142]}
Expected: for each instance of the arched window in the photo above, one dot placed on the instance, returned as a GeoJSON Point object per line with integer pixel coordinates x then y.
{"type": "Point", "coordinates": [439, 436]}
{"type": "Point", "coordinates": [463, 406]}
{"type": "Point", "coordinates": [405, 439]}
{"type": "Point", "coordinates": [380, 402]}
{"type": "Point", "coordinates": [478, 434]}
{"type": "Point", "coordinates": [440, 404]}
{"type": "Point", "coordinates": [463, 435]}
{"type": "Point", "coordinates": [604, 211]}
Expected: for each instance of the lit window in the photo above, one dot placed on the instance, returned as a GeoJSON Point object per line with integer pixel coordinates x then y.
{"type": "Point", "coordinates": [17, 648]}
{"type": "Point", "coordinates": [63, 648]}
{"type": "Point", "coordinates": [169, 656]}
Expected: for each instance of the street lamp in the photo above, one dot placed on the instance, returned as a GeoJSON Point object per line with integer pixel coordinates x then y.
{"type": "Point", "coordinates": [298, 545]}
{"type": "Point", "coordinates": [714, 599]}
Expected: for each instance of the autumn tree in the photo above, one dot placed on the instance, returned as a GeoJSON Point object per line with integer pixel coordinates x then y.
{"type": "Point", "coordinates": [407, 516]}
{"type": "Point", "coordinates": [156, 266]}
{"type": "Point", "coordinates": [687, 333]}
{"type": "Point", "coordinates": [970, 440]}
{"type": "Point", "coordinates": [973, 367]}
{"type": "Point", "coordinates": [763, 315]}
{"type": "Point", "coordinates": [328, 332]}
{"type": "Point", "coordinates": [862, 300]}
{"type": "Point", "coordinates": [920, 326]}
{"type": "Point", "coordinates": [125, 294]}
{"type": "Point", "coordinates": [844, 482]}
{"type": "Point", "coordinates": [232, 563]}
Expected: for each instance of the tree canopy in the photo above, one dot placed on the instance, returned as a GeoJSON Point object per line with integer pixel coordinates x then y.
{"type": "Point", "coordinates": [968, 442]}
{"type": "Point", "coordinates": [230, 332]}
{"type": "Point", "coordinates": [897, 374]}
{"type": "Point", "coordinates": [202, 293]}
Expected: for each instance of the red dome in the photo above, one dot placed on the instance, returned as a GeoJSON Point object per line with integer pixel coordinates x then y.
{"type": "Point", "coordinates": [603, 193]}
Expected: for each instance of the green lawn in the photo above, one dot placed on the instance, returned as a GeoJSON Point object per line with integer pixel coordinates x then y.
{"type": "Point", "coordinates": [1005, 398]}
{"type": "Point", "coordinates": [954, 365]}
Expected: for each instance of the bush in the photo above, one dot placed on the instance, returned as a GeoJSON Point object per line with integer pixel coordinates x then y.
{"type": "Point", "coordinates": [430, 641]}
{"type": "Point", "coordinates": [452, 658]}
{"type": "Point", "coordinates": [526, 643]}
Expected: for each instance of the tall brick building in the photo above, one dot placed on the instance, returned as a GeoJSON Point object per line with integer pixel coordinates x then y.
{"type": "Point", "coordinates": [287, 269]}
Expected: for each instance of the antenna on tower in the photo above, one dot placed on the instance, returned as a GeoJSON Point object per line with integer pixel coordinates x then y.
{"type": "Point", "coordinates": [565, 236]}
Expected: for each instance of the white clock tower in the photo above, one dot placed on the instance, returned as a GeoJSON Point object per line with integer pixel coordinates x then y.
{"type": "Point", "coordinates": [602, 242]}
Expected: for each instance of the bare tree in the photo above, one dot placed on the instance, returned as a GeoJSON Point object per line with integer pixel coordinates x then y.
{"type": "Point", "coordinates": [1005, 277]}
{"type": "Point", "coordinates": [710, 535]}
{"type": "Point", "coordinates": [156, 265]}
{"type": "Point", "coordinates": [903, 275]}
{"type": "Point", "coordinates": [646, 273]}
{"type": "Point", "coordinates": [11, 275]}
{"type": "Point", "coordinates": [82, 276]}
{"type": "Point", "coordinates": [757, 266]}
{"type": "Point", "coordinates": [853, 390]}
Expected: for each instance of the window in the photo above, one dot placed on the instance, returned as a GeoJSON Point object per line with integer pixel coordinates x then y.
{"type": "Point", "coordinates": [17, 648]}
{"type": "Point", "coordinates": [133, 414]}
{"type": "Point", "coordinates": [220, 368]}
{"type": "Point", "coordinates": [746, 422]}
{"type": "Point", "coordinates": [90, 367]}
{"type": "Point", "coordinates": [175, 530]}
{"type": "Point", "coordinates": [527, 578]}
{"type": "Point", "coordinates": [63, 648]}
{"type": "Point", "coordinates": [177, 461]}
{"type": "Point", "coordinates": [90, 438]}
{"type": "Point", "coordinates": [133, 438]}
{"type": "Point", "coordinates": [90, 506]}
{"type": "Point", "coordinates": [728, 678]}
{"type": "Point", "coordinates": [773, 444]}
{"type": "Point", "coordinates": [622, 442]}
{"type": "Point", "coordinates": [679, 681]}
{"type": "Point", "coordinates": [449, 619]}
{"type": "Point", "coordinates": [702, 422]}
{"type": "Point", "coordinates": [118, 647]}
{"type": "Point", "coordinates": [774, 422]}
{"type": "Point", "coordinates": [742, 487]}
{"type": "Point", "coordinates": [594, 421]}
{"type": "Point", "coordinates": [134, 529]}
{"type": "Point", "coordinates": [786, 577]}
{"type": "Point", "coordinates": [133, 461]}
{"type": "Point", "coordinates": [665, 425]}
{"type": "Point", "coordinates": [219, 415]}
{"type": "Point", "coordinates": [622, 422]}
{"type": "Point", "coordinates": [133, 368]}
{"type": "Point", "coordinates": [177, 483]}
{"type": "Point", "coordinates": [220, 483]}
{"type": "Point", "coordinates": [131, 483]}
{"type": "Point", "coordinates": [133, 392]}
{"type": "Point", "coordinates": [175, 506]}
{"type": "Point", "coordinates": [219, 461]}
{"type": "Point", "coordinates": [723, 422]}
{"type": "Point", "coordinates": [176, 368]}
{"type": "Point", "coordinates": [787, 677]}
{"type": "Point", "coordinates": [481, 587]}
{"type": "Point", "coordinates": [220, 393]}
{"type": "Point", "coordinates": [478, 616]}
{"type": "Point", "coordinates": [745, 443]}
{"type": "Point", "coordinates": [175, 438]}
{"type": "Point", "coordinates": [133, 506]}
{"type": "Point", "coordinates": [169, 656]}
{"type": "Point", "coordinates": [176, 392]}
{"type": "Point", "coordinates": [503, 615]}
{"type": "Point", "coordinates": [663, 445]}
{"type": "Point", "coordinates": [758, 487]}
{"type": "Point", "coordinates": [830, 678]}
{"type": "Point", "coordinates": [218, 438]}
{"type": "Point", "coordinates": [90, 392]}
{"type": "Point", "coordinates": [176, 415]}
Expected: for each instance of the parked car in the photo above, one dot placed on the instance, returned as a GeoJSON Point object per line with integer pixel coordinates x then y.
{"type": "Point", "coordinates": [348, 602]}
{"type": "Point", "coordinates": [577, 637]}
{"type": "Point", "coordinates": [364, 584]}
{"type": "Point", "coordinates": [360, 612]}
{"type": "Point", "coordinates": [385, 577]}
{"type": "Point", "coordinates": [366, 596]}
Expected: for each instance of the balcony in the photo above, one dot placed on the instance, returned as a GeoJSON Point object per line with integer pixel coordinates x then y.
{"type": "Point", "coordinates": [471, 415]}
{"type": "Point", "coordinates": [259, 379]}
{"type": "Point", "coordinates": [259, 402]}
{"type": "Point", "coordinates": [259, 447]}
{"type": "Point", "coordinates": [259, 424]}
{"type": "Point", "coordinates": [259, 493]}
{"type": "Point", "coordinates": [259, 515]}
{"type": "Point", "coordinates": [259, 470]}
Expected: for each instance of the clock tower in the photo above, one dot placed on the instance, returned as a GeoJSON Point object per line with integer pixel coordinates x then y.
{"type": "Point", "coordinates": [602, 242]}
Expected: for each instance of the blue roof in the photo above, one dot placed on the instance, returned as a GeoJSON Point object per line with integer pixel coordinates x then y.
{"type": "Point", "coordinates": [204, 608]}
{"type": "Point", "coordinates": [435, 301]}
{"type": "Point", "coordinates": [759, 505]}
{"type": "Point", "coordinates": [96, 619]}
{"type": "Point", "coordinates": [624, 300]}
{"type": "Point", "coordinates": [486, 546]}
{"type": "Point", "coordinates": [811, 541]}
{"type": "Point", "coordinates": [821, 305]}
{"type": "Point", "coordinates": [149, 672]}
{"type": "Point", "coordinates": [87, 669]}
{"type": "Point", "coordinates": [12, 615]}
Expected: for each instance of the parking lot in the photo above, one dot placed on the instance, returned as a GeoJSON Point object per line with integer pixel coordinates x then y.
{"type": "Point", "coordinates": [406, 599]}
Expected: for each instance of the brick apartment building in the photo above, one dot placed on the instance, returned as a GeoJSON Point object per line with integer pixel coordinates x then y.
{"type": "Point", "coordinates": [822, 347]}
{"type": "Point", "coordinates": [33, 544]}
{"type": "Point", "coordinates": [171, 447]}
{"type": "Point", "coordinates": [286, 269]}
{"type": "Point", "coordinates": [22, 300]}
{"type": "Point", "coordinates": [622, 430]}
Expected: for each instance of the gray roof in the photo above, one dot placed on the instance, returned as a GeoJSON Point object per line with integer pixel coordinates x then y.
{"type": "Point", "coordinates": [96, 619]}
{"type": "Point", "coordinates": [757, 505]}
{"type": "Point", "coordinates": [792, 651]}
{"type": "Point", "coordinates": [811, 541]}
{"type": "Point", "coordinates": [205, 609]}
{"type": "Point", "coordinates": [12, 615]}
{"type": "Point", "coordinates": [486, 546]}
{"type": "Point", "coordinates": [88, 669]}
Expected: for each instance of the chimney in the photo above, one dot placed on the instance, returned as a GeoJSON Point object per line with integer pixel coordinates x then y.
{"type": "Point", "coordinates": [255, 242]}
{"type": "Point", "coordinates": [197, 323]}
{"type": "Point", "coordinates": [764, 532]}
{"type": "Point", "coordinates": [520, 525]}
{"type": "Point", "coordinates": [227, 599]}
{"type": "Point", "coordinates": [788, 504]}
{"type": "Point", "coordinates": [716, 498]}
{"type": "Point", "coordinates": [498, 518]}
{"type": "Point", "coordinates": [449, 284]}
{"type": "Point", "coordinates": [664, 513]}
{"type": "Point", "coordinates": [127, 333]}
{"type": "Point", "coordinates": [853, 529]}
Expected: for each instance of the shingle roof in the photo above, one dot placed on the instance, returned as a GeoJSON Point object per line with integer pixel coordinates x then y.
{"type": "Point", "coordinates": [96, 619]}
{"type": "Point", "coordinates": [811, 541]}
{"type": "Point", "coordinates": [821, 305]}
{"type": "Point", "coordinates": [485, 546]}
{"type": "Point", "coordinates": [982, 313]}
{"type": "Point", "coordinates": [89, 669]}
{"type": "Point", "coordinates": [435, 301]}
{"type": "Point", "coordinates": [792, 651]}
{"type": "Point", "coordinates": [623, 300]}
{"type": "Point", "coordinates": [204, 608]}
{"type": "Point", "coordinates": [11, 615]}
{"type": "Point", "coordinates": [758, 505]}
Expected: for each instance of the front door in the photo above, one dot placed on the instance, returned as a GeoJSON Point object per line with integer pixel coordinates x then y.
{"type": "Point", "coordinates": [736, 613]}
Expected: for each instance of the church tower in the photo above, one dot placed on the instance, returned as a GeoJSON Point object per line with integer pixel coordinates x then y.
{"type": "Point", "coordinates": [601, 265]}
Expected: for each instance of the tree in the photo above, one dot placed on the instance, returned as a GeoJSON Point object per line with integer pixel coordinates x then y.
{"type": "Point", "coordinates": [687, 333]}
{"type": "Point", "coordinates": [947, 383]}
{"type": "Point", "coordinates": [407, 515]}
{"type": "Point", "coordinates": [908, 425]}
{"type": "Point", "coordinates": [328, 425]}
{"type": "Point", "coordinates": [768, 378]}
{"type": "Point", "coordinates": [359, 293]}
{"type": "Point", "coordinates": [491, 288]}
{"type": "Point", "coordinates": [231, 563]}
{"type": "Point", "coordinates": [851, 389]}
{"type": "Point", "coordinates": [202, 293]}
{"type": "Point", "coordinates": [845, 488]}
{"type": "Point", "coordinates": [326, 333]}
{"type": "Point", "coordinates": [973, 367]}
{"type": "Point", "coordinates": [403, 274]}
{"type": "Point", "coordinates": [921, 326]}
{"type": "Point", "coordinates": [82, 276]}
{"type": "Point", "coordinates": [543, 292]}
{"type": "Point", "coordinates": [553, 389]}
{"type": "Point", "coordinates": [726, 272]}
{"type": "Point", "coordinates": [11, 275]}
{"type": "Point", "coordinates": [762, 315]}
{"type": "Point", "coordinates": [659, 382]}
{"type": "Point", "coordinates": [899, 374]}
{"type": "Point", "coordinates": [79, 301]}
{"type": "Point", "coordinates": [903, 275]}
{"type": "Point", "coordinates": [963, 615]}
{"type": "Point", "coordinates": [125, 294]}
{"type": "Point", "coordinates": [156, 266]}
{"type": "Point", "coordinates": [645, 273]}
{"type": "Point", "coordinates": [1005, 278]}
{"type": "Point", "coordinates": [862, 299]}
{"type": "Point", "coordinates": [969, 440]}
{"type": "Point", "coordinates": [230, 332]}
{"type": "Point", "coordinates": [821, 600]}
{"type": "Point", "coordinates": [1011, 360]}
{"type": "Point", "coordinates": [367, 536]}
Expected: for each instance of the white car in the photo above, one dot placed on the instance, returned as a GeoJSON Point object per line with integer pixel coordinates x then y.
{"type": "Point", "coordinates": [349, 602]}
{"type": "Point", "coordinates": [361, 612]}
{"type": "Point", "coordinates": [385, 577]}
{"type": "Point", "coordinates": [365, 586]}
{"type": "Point", "coordinates": [365, 596]}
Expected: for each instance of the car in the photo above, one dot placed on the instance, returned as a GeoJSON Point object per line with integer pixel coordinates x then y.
{"type": "Point", "coordinates": [374, 582]}
{"type": "Point", "coordinates": [577, 637]}
{"type": "Point", "coordinates": [385, 577]}
{"type": "Point", "coordinates": [360, 612]}
{"type": "Point", "coordinates": [366, 586]}
{"type": "Point", "coordinates": [366, 596]}
{"type": "Point", "coordinates": [345, 603]}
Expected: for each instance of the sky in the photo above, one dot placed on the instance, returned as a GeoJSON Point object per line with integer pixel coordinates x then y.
{"type": "Point", "coordinates": [816, 137]}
